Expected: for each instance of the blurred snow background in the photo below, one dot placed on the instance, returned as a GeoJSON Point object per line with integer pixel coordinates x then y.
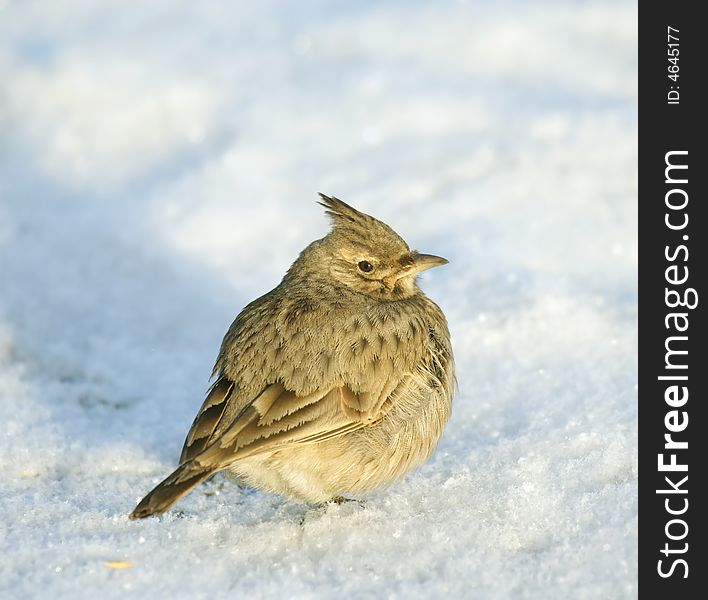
{"type": "Point", "coordinates": [159, 164]}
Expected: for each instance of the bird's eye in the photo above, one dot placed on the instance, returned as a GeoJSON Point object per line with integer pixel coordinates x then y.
{"type": "Point", "coordinates": [365, 266]}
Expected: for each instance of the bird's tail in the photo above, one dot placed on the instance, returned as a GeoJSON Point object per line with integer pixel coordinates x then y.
{"type": "Point", "coordinates": [178, 484]}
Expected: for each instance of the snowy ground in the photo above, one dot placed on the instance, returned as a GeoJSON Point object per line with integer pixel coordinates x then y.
{"type": "Point", "coordinates": [158, 169]}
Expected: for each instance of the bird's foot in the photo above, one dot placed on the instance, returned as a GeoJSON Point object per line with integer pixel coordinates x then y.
{"type": "Point", "coordinates": [342, 500]}
{"type": "Point", "coordinates": [322, 507]}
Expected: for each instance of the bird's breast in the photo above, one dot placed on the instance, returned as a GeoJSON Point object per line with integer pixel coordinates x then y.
{"type": "Point", "coordinates": [347, 345]}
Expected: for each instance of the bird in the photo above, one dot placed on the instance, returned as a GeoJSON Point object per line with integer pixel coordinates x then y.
{"type": "Point", "coordinates": [338, 381]}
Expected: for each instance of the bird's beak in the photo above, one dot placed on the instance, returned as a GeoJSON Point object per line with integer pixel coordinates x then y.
{"type": "Point", "coordinates": [423, 262]}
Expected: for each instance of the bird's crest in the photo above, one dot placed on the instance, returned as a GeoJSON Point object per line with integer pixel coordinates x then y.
{"type": "Point", "coordinates": [350, 222]}
{"type": "Point", "coordinates": [342, 214]}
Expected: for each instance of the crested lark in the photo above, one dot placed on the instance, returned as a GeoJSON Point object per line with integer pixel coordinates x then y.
{"type": "Point", "coordinates": [336, 382]}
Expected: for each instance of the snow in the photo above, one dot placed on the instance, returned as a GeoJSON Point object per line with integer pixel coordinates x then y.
{"type": "Point", "coordinates": [159, 164]}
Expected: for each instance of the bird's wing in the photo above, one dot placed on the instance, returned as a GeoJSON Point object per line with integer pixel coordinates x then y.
{"type": "Point", "coordinates": [277, 418]}
{"type": "Point", "coordinates": [208, 418]}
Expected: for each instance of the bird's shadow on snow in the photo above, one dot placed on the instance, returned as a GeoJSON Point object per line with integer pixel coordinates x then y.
{"type": "Point", "coordinates": [115, 338]}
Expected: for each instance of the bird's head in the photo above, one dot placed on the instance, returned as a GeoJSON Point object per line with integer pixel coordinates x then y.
{"type": "Point", "coordinates": [368, 256]}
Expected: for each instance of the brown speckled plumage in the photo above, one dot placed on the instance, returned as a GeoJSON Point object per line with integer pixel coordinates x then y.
{"type": "Point", "coordinates": [336, 382]}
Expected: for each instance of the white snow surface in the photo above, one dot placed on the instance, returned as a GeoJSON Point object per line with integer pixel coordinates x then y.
{"type": "Point", "coordinates": [159, 163]}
